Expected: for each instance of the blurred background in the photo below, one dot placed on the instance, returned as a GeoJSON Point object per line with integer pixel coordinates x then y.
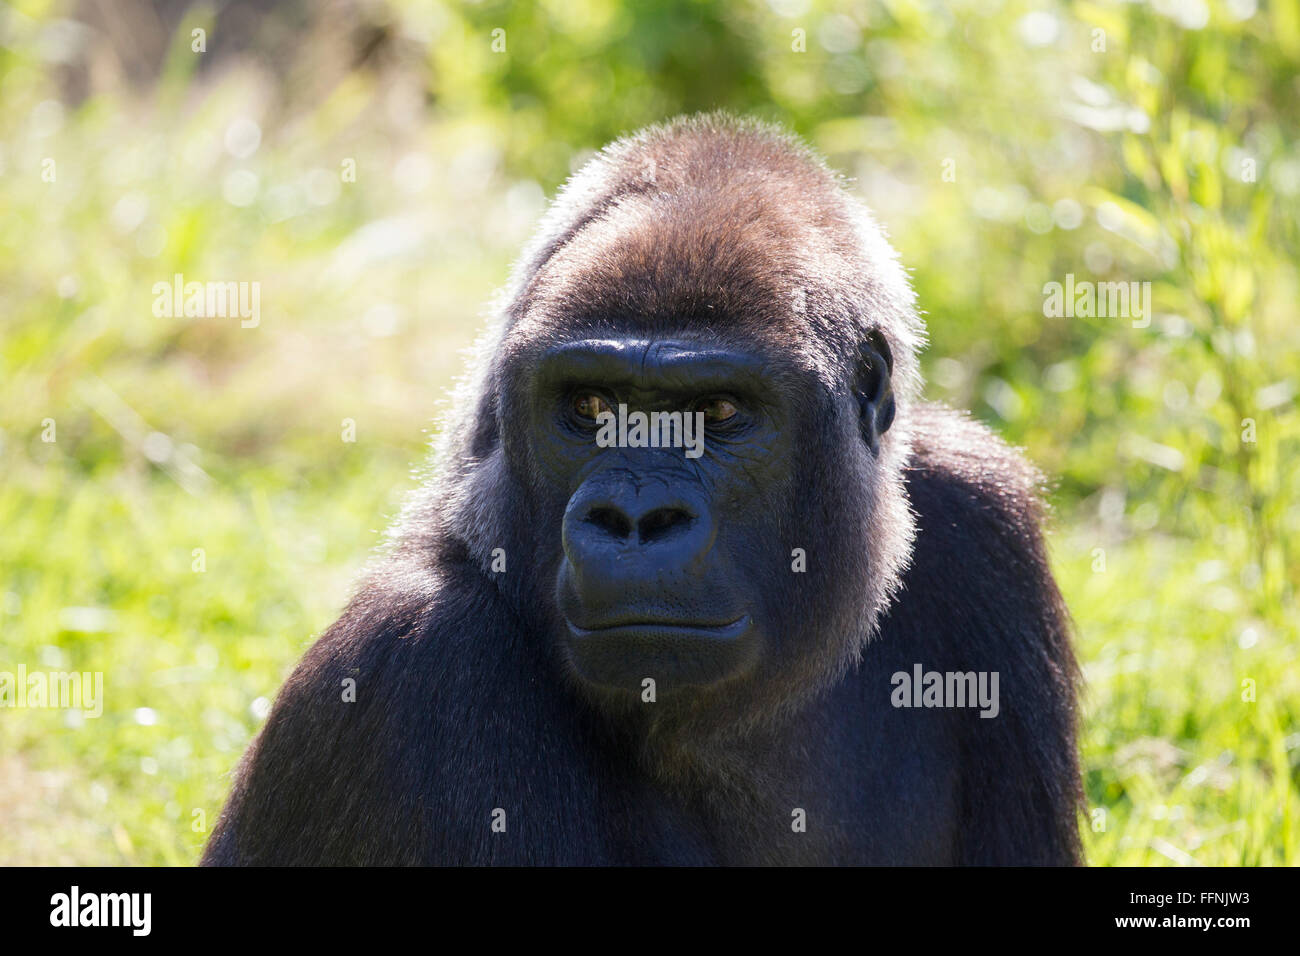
{"type": "Point", "coordinates": [185, 502]}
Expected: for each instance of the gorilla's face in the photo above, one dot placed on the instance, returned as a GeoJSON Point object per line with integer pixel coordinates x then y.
{"type": "Point", "coordinates": [657, 576]}
{"type": "Point", "coordinates": [675, 467]}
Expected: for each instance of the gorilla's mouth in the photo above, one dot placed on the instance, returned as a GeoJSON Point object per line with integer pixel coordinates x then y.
{"type": "Point", "coordinates": [624, 653]}
{"type": "Point", "coordinates": [664, 628]}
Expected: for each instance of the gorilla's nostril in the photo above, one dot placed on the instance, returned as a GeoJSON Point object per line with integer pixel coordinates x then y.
{"type": "Point", "coordinates": [610, 520]}
{"type": "Point", "coordinates": [662, 522]}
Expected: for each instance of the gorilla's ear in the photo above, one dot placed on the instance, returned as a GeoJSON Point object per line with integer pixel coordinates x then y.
{"type": "Point", "coordinates": [873, 389]}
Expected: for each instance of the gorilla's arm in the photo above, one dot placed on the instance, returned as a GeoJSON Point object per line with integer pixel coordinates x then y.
{"type": "Point", "coordinates": [380, 749]}
{"type": "Point", "coordinates": [979, 596]}
{"type": "Point", "coordinates": [323, 781]}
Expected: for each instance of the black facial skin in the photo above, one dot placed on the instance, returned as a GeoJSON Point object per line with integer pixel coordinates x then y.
{"type": "Point", "coordinates": [651, 583]}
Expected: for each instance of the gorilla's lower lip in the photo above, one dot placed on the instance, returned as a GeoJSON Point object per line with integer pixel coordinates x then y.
{"type": "Point", "coordinates": [675, 653]}
{"type": "Point", "coordinates": [652, 628]}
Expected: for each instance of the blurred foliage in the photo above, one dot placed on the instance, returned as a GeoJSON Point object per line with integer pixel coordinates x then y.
{"type": "Point", "coordinates": [1005, 145]}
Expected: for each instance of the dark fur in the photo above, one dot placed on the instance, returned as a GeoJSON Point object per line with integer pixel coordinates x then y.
{"type": "Point", "coordinates": [927, 551]}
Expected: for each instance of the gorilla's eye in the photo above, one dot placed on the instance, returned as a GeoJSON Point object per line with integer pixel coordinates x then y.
{"type": "Point", "coordinates": [717, 410]}
{"type": "Point", "coordinates": [588, 405]}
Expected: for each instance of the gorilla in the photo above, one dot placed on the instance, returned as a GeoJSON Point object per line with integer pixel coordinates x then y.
{"type": "Point", "coordinates": [585, 651]}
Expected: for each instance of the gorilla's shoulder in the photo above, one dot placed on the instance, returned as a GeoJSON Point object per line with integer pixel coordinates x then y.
{"type": "Point", "coordinates": [980, 508]}
{"type": "Point", "coordinates": [396, 692]}
{"type": "Point", "coordinates": [408, 622]}
{"type": "Point", "coordinates": [963, 478]}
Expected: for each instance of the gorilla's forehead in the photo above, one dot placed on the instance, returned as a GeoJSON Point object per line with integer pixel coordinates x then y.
{"type": "Point", "coordinates": [712, 228]}
{"type": "Point", "coordinates": [688, 265]}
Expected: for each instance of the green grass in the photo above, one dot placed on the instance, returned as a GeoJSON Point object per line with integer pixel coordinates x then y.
{"type": "Point", "coordinates": [1184, 768]}
{"type": "Point", "coordinates": [196, 649]}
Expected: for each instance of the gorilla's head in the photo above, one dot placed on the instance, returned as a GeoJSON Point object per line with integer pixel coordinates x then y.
{"type": "Point", "coordinates": [714, 272]}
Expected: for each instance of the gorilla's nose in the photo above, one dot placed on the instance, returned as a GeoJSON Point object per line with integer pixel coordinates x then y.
{"type": "Point", "coordinates": [649, 525]}
{"type": "Point", "coordinates": [628, 539]}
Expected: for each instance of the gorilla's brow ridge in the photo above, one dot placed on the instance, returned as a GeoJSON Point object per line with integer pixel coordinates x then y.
{"type": "Point", "coordinates": [651, 363]}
